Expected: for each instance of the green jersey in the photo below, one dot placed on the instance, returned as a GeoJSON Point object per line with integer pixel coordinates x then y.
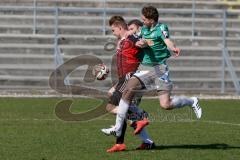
{"type": "Point", "coordinates": [156, 52]}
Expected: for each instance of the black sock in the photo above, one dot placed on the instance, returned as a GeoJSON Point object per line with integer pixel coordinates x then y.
{"type": "Point", "coordinates": [120, 140]}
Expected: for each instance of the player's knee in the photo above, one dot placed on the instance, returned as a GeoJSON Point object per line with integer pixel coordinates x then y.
{"type": "Point", "coordinates": [110, 108]}
{"type": "Point", "coordinates": [165, 105]}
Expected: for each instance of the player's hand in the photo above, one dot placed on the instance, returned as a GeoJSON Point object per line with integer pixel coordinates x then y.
{"type": "Point", "coordinates": [176, 52]}
{"type": "Point", "coordinates": [111, 90]}
{"type": "Point", "coordinates": [141, 43]}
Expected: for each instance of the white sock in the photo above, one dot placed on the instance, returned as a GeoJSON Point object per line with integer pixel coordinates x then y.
{"type": "Point", "coordinates": [145, 137]}
{"type": "Point", "coordinates": [121, 114]}
{"type": "Point", "coordinates": [179, 102]}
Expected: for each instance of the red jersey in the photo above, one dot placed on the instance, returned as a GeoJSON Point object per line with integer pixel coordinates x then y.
{"type": "Point", "coordinates": [127, 56]}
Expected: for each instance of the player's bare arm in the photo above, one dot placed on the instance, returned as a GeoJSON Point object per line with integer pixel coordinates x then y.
{"type": "Point", "coordinates": [171, 46]}
{"type": "Point", "coordinates": [111, 90]}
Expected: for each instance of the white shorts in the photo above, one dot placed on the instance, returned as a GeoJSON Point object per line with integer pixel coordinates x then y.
{"type": "Point", "coordinates": [155, 78]}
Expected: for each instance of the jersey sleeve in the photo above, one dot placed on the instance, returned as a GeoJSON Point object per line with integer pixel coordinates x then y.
{"type": "Point", "coordinates": [164, 33]}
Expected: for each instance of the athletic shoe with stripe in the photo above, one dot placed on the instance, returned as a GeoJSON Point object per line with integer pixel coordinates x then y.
{"type": "Point", "coordinates": [196, 107]}
{"type": "Point", "coordinates": [112, 131]}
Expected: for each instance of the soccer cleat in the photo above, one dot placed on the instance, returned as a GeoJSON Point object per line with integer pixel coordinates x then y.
{"type": "Point", "coordinates": [133, 124]}
{"type": "Point", "coordinates": [112, 131]}
{"type": "Point", "coordinates": [146, 146]}
{"type": "Point", "coordinates": [117, 148]}
{"type": "Point", "coordinates": [140, 125]}
{"type": "Point", "coordinates": [196, 107]}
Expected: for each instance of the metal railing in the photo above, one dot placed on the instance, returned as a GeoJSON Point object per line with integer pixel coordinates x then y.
{"type": "Point", "coordinates": [34, 16]}
{"type": "Point", "coordinates": [226, 61]}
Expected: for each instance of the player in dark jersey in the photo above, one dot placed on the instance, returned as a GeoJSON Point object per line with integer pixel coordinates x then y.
{"type": "Point", "coordinates": [127, 63]}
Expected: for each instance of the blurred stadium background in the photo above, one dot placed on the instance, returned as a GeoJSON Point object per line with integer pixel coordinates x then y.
{"type": "Point", "coordinates": [37, 34]}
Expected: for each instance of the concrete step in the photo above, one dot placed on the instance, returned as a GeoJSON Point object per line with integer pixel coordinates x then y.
{"type": "Point", "coordinates": [27, 38]}
{"type": "Point", "coordinates": [191, 61]}
{"type": "Point", "coordinates": [75, 50]}
{"type": "Point", "coordinates": [103, 40]}
{"type": "Point", "coordinates": [27, 49]}
{"type": "Point", "coordinates": [98, 30]}
{"type": "Point", "coordinates": [231, 4]}
{"type": "Point", "coordinates": [23, 80]}
{"type": "Point", "coordinates": [119, 3]}
{"type": "Point", "coordinates": [98, 20]}
{"type": "Point", "coordinates": [179, 83]}
{"type": "Point", "coordinates": [182, 61]}
{"type": "Point", "coordinates": [175, 71]}
{"type": "Point", "coordinates": [26, 59]}
{"type": "Point", "coordinates": [43, 81]}
{"type": "Point", "coordinates": [99, 49]}
{"type": "Point", "coordinates": [202, 84]}
{"type": "Point", "coordinates": [167, 4]}
{"type": "Point", "coordinates": [27, 69]}
{"type": "Point", "coordinates": [126, 12]}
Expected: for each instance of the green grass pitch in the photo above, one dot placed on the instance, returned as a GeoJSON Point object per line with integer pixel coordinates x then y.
{"type": "Point", "coordinates": [29, 130]}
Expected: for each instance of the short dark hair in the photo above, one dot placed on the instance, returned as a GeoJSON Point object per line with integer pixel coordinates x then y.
{"type": "Point", "coordinates": [150, 12]}
{"type": "Point", "coordinates": [136, 22]}
{"type": "Point", "coordinates": [118, 21]}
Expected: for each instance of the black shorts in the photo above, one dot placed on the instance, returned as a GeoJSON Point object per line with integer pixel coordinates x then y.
{"type": "Point", "coordinates": [117, 94]}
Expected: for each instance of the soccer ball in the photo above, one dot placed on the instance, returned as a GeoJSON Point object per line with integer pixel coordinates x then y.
{"type": "Point", "coordinates": [100, 71]}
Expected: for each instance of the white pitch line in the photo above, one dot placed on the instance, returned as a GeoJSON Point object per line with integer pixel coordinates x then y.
{"type": "Point", "coordinates": [223, 123]}
{"type": "Point", "coordinates": [190, 121]}
{"type": "Point", "coordinates": [203, 121]}
{"type": "Point", "coordinates": [187, 121]}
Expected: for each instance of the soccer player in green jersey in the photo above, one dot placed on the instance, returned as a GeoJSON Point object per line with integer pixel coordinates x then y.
{"type": "Point", "coordinates": [154, 73]}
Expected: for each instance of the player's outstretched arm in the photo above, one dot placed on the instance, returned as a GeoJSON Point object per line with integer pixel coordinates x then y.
{"type": "Point", "coordinates": [171, 46]}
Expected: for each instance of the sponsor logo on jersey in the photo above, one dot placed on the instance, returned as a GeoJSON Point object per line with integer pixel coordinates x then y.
{"type": "Point", "coordinates": [150, 42]}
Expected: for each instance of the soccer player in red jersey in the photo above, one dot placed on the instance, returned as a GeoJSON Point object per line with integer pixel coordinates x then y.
{"type": "Point", "coordinates": [127, 63]}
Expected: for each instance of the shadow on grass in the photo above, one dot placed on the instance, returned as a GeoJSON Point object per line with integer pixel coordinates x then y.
{"type": "Point", "coordinates": [222, 146]}
{"type": "Point", "coordinates": [198, 146]}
